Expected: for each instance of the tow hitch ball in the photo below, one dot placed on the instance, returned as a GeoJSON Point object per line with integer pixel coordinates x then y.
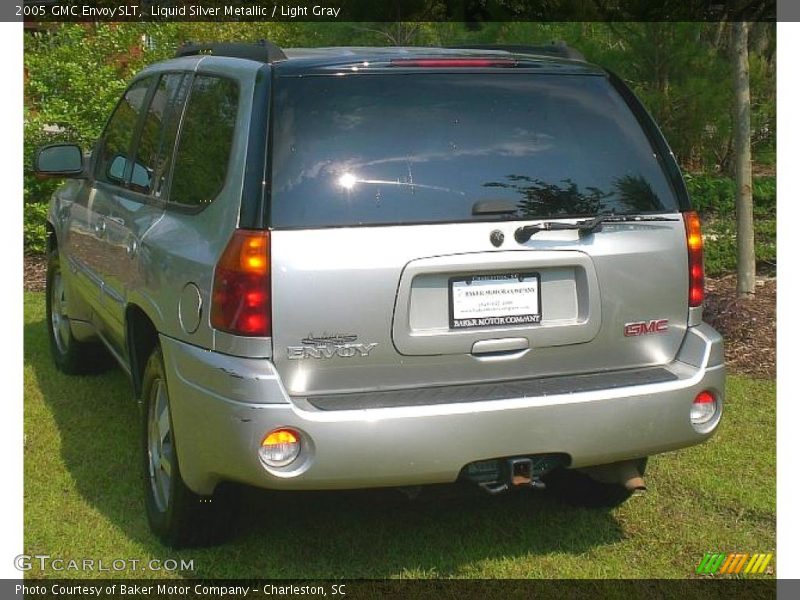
{"type": "Point", "coordinates": [521, 475]}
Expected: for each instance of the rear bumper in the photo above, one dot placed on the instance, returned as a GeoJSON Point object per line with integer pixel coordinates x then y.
{"type": "Point", "coordinates": [222, 406]}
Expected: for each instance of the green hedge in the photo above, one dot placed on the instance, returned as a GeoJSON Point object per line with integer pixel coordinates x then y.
{"type": "Point", "coordinates": [714, 198]}
{"type": "Point", "coordinates": [713, 195]}
{"type": "Point", "coordinates": [75, 73]}
{"type": "Point", "coordinates": [33, 227]}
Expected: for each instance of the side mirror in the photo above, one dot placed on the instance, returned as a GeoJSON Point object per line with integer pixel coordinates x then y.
{"type": "Point", "coordinates": [59, 160]}
{"type": "Point", "coordinates": [140, 177]}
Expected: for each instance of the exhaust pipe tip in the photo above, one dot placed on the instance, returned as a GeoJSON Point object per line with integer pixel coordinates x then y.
{"type": "Point", "coordinates": [625, 473]}
{"type": "Point", "coordinates": [635, 484]}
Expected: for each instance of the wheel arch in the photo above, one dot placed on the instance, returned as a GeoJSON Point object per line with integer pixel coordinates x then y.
{"type": "Point", "coordinates": [51, 239]}
{"type": "Point", "coordinates": [141, 335]}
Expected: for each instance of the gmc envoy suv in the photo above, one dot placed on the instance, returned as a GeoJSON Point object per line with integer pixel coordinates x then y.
{"type": "Point", "coordinates": [339, 268]}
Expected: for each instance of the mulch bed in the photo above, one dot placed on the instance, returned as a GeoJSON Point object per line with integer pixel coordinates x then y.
{"type": "Point", "coordinates": [35, 271]}
{"type": "Point", "coordinates": [748, 325]}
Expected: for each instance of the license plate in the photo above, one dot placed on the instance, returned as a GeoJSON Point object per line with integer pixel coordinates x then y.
{"type": "Point", "coordinates": [496, 300]}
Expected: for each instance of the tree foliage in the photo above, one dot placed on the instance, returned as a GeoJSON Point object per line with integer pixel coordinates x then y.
{"type": "Point", "coordinates": [75, 73]}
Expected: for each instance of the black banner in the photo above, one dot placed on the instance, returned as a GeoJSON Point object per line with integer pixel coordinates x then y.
{"type": "Point", "coordinates": [460, 589]}
{"type": "Point", "coordinates": [470, 11]}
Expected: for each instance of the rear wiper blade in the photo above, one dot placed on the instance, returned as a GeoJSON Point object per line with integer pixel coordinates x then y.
{"type": "Point", "coordinates": [585, 227]}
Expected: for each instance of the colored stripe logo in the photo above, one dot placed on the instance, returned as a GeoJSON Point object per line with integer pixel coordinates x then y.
{"type": "Point", "coordinates": [733, 563]}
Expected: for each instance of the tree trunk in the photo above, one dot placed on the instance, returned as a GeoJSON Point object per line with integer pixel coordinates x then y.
{"type": "Point", "coordinates": [745, 240]}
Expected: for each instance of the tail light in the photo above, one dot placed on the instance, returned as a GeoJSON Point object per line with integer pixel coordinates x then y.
{"type": "Point", "coordinates": [446, 63]}
{"type": "Point", "coordinates": [694, 244]}
{"type": "Point", "coordinates": [240, 300]}
{"type": "Point", "coordinates": [705, 409]}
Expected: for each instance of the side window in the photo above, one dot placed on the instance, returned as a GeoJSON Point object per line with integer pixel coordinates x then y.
{"type": "Point", "coordinates": [113, 150]}
{"type": "Point", "coordinates": [157, 141]}
{"type": "Point", "coordinates": [204, 148]}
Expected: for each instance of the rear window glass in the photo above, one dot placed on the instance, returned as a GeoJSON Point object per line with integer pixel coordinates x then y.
{"type": "Point", "coordinates": [424, 148]}
{"type": "Point", "coordinates": [206, 140]}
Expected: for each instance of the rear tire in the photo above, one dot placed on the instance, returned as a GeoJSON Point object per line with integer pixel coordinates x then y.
{"type": "Point", "coordinates": [580, 489]}
{"type": "Point", "coordinates": [70, 355]}
{"type": "Point", "coordinates": [178, 516]}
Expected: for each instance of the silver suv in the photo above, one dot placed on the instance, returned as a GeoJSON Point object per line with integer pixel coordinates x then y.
{"type": "Point", "coordinates": [361, 267]}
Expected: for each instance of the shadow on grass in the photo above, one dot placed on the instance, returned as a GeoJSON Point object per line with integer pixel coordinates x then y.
{"type": "Point", "coordinates": [447, 531]}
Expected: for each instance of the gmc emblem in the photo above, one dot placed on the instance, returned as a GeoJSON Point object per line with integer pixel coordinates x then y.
{"type": "Point", "coordinates": [645, 327]}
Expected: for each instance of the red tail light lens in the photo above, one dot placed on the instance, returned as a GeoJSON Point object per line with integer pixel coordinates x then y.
{"type": "Point", "coordinates": [694, 244]}
{"type": "Point", "coordinates": [240, 300]}
{"type": "Point", "coordinates": [704, 409]}
{"type": "Point", "coordinates": [445, 63]}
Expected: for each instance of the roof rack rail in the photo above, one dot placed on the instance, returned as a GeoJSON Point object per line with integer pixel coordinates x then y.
{"type": "Point", "coordinates": [558, 49]}
{"type": "Point", "coordinates": [262, 50]}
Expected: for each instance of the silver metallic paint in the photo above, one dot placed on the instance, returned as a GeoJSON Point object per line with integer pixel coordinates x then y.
{"type": "Point", "coordinates": [220, 434]}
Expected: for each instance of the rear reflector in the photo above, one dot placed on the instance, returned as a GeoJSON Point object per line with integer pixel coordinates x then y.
{"type": "Point", "coordinates": [704, 398]}
{"type": "Point", "coordinates": [694, 245]}
{"type": "Point", "coordinates": [240, 300]}
{"type": "Point", "coordinates": [704, 409]}
{"type": "Point", "coordinates": [444, 63]}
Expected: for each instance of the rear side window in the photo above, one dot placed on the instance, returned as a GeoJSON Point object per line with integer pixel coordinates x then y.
{"type": "Point", "coordinates": [424, 148]}
{"type": "Point", "coordinates": [206, 139]}
{"type": "Point", "coordinates": [113, 163]}
{"type": "Point", "coordinates": [157, 141]}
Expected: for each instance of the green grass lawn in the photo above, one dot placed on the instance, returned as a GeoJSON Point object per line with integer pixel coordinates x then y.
{"type": "Point", "coordinates": [83, 499]}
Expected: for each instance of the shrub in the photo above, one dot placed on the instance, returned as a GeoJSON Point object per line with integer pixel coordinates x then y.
{"type": "Point", "coordinates": [34, 227]}
{"type": "Point", "coordinates": [715, 199]}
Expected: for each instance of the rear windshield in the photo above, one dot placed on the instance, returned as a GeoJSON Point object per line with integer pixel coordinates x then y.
{"type": "Point", "coordinates": [425, 148]}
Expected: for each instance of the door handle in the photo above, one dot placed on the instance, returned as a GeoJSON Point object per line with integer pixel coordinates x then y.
{"type": "Point", "coordinates": [500, 345]}
{"type": "Point", "coordinates": [63, 211]}
{"type": "Point", "coordinates": [118, 220]}
{"type": "Point", "coordinates": [132, 247]}
{"type": "Point", "coordinates": [500, 349]}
